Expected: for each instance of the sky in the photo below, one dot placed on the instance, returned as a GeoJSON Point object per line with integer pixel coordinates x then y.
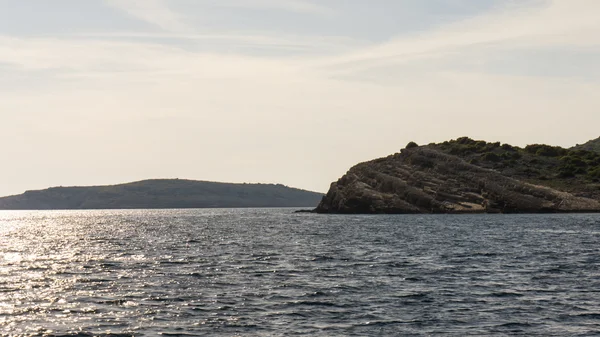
{"type": "Point", "coordinates": [281, 91]}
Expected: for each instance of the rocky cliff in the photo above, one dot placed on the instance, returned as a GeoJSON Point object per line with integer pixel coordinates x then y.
{"type": "Point", "coordinates": [467, 176]}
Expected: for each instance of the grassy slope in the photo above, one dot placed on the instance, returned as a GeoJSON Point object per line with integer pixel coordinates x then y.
{"type": "Point", "coordinates": [592, 145]}
{"type": "Point", "coordinates": [163, 194]}
{"type": "Point", "coordinates": [571, 170]}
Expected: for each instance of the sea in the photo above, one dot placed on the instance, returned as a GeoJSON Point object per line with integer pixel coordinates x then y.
{"type": "Point", "coordinates": [271, 272]}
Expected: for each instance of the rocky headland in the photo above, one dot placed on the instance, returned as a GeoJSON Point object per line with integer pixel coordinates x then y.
{"type": "Point", "coordinates": [468, 176]}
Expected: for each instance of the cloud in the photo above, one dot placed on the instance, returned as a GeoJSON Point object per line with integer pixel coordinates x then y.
{"type": "Point", "coordinates": [160, 13]}
{"type": "Point", "coordinates": [156, 12]}
{"type": "Point", "coordinates": [298, 6]}
{"type": "Point", "coordinates": [524, 25]}
{"type": "Point", "coordinates": [240, 42]}
{"type": "Point", "coordinates": [129, 109]}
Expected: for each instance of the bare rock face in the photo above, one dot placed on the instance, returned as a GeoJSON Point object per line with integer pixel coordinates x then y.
{"type": "Point", "coordinates": [426, 180]}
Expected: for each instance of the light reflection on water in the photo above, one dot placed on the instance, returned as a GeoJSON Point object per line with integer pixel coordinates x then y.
{"type": "Point", "coordinates": [271, 272]}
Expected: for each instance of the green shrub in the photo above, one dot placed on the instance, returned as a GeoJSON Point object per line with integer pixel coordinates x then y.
{"type": "Point", "coordinates": [465, 141]}
{"type": "Point", "coordinates": [546, 150]}
{"type": "Point", "coordinates": [412, 145]}
{"type": "Point", "coordinates": [531, 171]}
{"type": "Point", "coordinates": [491, 156]}
{"type": "Point", "coordinates": [595, 173]}
{"type": "Point", "coordinates": [458, 149]}
{"type": "Point", "coordinates": [566, 172]}
{"type": "Point", "coordinates": [480, 145]}
{"type": "Point", "coordinates": [491, 146]}
{"type": "Point", "coordinates": [508, 147]}
{"type": "Point", "coordinates": [573, 161]}
{"type": "Point", "coordinates": [570, 170]}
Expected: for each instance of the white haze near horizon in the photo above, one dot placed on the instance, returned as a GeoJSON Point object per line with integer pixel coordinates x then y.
{"type": "Point", "coordinates": [284, 91]}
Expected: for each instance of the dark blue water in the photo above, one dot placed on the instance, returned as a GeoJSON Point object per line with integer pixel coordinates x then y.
{"type": "Point", "coordinates": [271, 273]}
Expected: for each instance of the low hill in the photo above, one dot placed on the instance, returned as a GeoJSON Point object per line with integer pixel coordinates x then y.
{"type": "Point", "coordinates": [168, 193]}
{"type": "Point", "coordinates": [469, 176]}
{"type": "Point", "coordinates": [592, 145]}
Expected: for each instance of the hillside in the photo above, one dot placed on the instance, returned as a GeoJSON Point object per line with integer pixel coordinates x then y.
{"type": "Point", "coordinates": [468, 176]}
{"type": "Point", "coordinates": [163, 194]}
{"type": "Point", "coordinates": [592, 145]}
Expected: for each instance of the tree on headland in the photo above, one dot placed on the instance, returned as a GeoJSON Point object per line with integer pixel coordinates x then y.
{"type": "Point", "coordinates": [412, 145]}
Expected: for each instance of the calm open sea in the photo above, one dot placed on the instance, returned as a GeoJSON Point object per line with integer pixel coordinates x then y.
{"type": "Point", "coordinates": [268, 272]}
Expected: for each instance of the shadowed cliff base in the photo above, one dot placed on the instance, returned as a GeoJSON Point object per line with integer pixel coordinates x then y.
{"type": "Point", "coordinates": [468, 176]}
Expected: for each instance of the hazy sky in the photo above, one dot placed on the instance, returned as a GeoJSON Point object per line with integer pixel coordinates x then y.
{"type": "Point", "coordinates": [285, 91]}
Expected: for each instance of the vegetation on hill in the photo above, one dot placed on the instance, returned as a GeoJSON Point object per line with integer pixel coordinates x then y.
{"type": "Point", "coordinates": [565, 169]}
{"type": "Point", "coordinates": [592, 145]}
{"type": "Point", "coordinates": [553, 166]}
{"type": "Point", "coordinates": [172, 193]}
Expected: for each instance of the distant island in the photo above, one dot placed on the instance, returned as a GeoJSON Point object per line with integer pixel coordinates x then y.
{"type": "Point", "coordinates": [470, 176]}
{"type": "Point", "coordinates": [163, 193]}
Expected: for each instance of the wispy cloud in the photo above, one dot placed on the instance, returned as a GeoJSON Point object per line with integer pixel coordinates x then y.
{"type": "Point", "coordinates": [299, 6]}
{"type": "Point", "coordinates": [531, 24]}
{"type": "Point", "coordinates": [528, 24]}
{"type": "Point", "coordinates": [156, 12]}
{"type": "Point", "coordinates": [240, 41]}
{"type": "Point", "coordinates": [161, 14]}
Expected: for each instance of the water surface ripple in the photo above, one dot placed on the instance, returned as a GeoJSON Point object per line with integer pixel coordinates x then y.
{"type": "Point", "coordinates": [258, 272]}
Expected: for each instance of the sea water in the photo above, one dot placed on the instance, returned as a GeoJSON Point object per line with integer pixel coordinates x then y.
{"type": "Point", "coordinates": [270, 272]}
